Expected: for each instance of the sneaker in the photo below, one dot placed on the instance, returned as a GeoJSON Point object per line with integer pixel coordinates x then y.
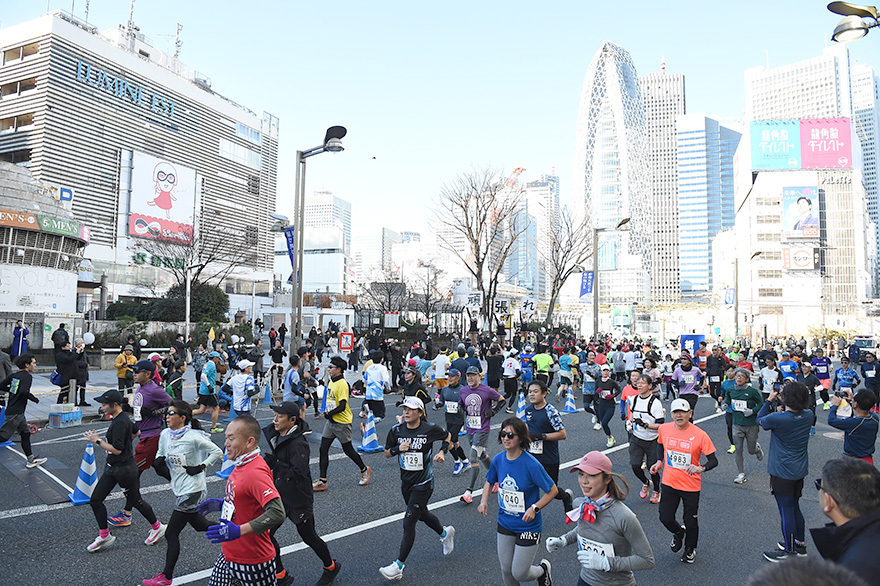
{"type": "Point", "coordinates": [365, 477]}
{"type": "Point", "coordinates": [448, 541]}
{"type": "Point", "coordinates": [120, 519]}
{"type": "Point", "coordinates": [34, 461]}
{"type": "Point", "coordinates": [677, 541]}
{"type": "Point", "coordinates": [690, 555]}
{"type": "Point", "coordinates": [466, 497]}
{"type": "Point", "coordinates": [643, 494]}
{"type": "Point", "coordinates": [155, 534]}
{"type": "Point", "coordinates": [328, 576]}
{"type": "Point", "coordinates": [509, 411]}
{"type": "Point", "coordinates": [779, 555]}
{"type": "Point", "coordinates": [545, 579]}
{"type": "Point", "coordinates": [610, 443]}
{"type": "Point", "coordinates": [595, 420]}
{"type": "Point", "coordinates": [740, 478]}
{"type": "Point", "coordinates": [731, 449]}
{"type": "Point", "coordinates": [319, 485]}
{"type": "Point", "coordinates": [655, 498]}
{"type": "Point", "coordinates": [799, 548]}
{"type": "Point", "coordinates": [458, 468]}
{"type": "Point", "coordinates": [760, 454]}
{"type": "Point", "coordinates": [392, 571]}
{"type": "Point", "coordinates": [827, 406]}
{"type": "Point", "coordinates": [100, 543]}
{"type": "Point", "coordinates": [217, 429]}
{"type": "Point", "coordinates": [160, 580]}
{"type": "Point", "coordinates": [362, 415]}
{"type": "Point", "coordinates": [812, 431]}
{"type": "Point", "coordinates": [287, 580]}
{"type": "Point", "coordinates": [597, 427]}
{"type": "Point", "coordinates": [84, 404]}
{"type": "Point", "coordinates": [719, 410]}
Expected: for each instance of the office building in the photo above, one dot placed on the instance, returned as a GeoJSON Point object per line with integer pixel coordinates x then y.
{"type": "Point", "coordinates": [325, 210]}
{"type": "Point", "coordinates": [541, 208]}
{"type": "Point", "coordinates": [866, 120]}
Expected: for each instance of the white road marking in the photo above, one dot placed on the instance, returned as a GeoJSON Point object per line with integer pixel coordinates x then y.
{"type": "Point", "coordinates": [66, 438]}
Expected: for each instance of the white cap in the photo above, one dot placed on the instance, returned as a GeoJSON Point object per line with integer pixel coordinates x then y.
{"type": "Point", "coordinates": [413, 403]}
{"type": "Point", "coordinates": [242, 364]}
{"type": "Point", "coordinates": [680, 405]}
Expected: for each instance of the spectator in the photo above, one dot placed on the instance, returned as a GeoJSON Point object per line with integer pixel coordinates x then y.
{"type": "Point", "coordinates": [124, 373]}
{"type": "Point", "coordinates": [19, 339]}
{"type": "Point", "coordinates": [811, 571]}
{"type": "Point", "coordinates": [65, 365]}
{"type": "Point", "coordinates": [861, 429]}
{"type": "Point", "coordinates": [60, 337]}
{"type": "Point", "coordinates": [82, 372]}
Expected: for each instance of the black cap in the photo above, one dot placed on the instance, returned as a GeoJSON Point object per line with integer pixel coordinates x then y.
{"type": "Point", "coordinates": [289, 407]}
{"type": "Point", "coordinates": [473, 370]}
{"type": "Point", "coordinates": [144, 365]}
{"type": "Point", "coordinates": [111, 396]}
{"type": "Point", "coordinates": [339, 361]}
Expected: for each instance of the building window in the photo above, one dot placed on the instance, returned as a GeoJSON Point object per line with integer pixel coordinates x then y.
{"type": "Point", "coordinates": [19, 53]}
{"type": "Point", "coordinates": [770, 292]}
{"type": "Point", "coordinates": [248, 133]}
{"type": "Point", "coordinates": [769, 220]}
{"type": "Point", "coordinates": [240, 154]}
{"type": "Point", "coordinates": [769, 310]}
{"type": "Point", "coordinates": [21, 157]}
{"type": "Point", "coordinates": [251, 236]}
{"type": "Point", "coordinates": [768, 274]}
{"type": "Point", "coordinates": [768, 237]}
{"type": "Point", "coordinates": [253, 184]}
{"type": "Point", "coordinates": [18, 87]}
{"type": "Point", "coordinates": [13, 123]}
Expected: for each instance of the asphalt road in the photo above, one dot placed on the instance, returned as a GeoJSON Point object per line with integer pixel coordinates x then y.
{"type": "Point", "coordinates": [43, 544]}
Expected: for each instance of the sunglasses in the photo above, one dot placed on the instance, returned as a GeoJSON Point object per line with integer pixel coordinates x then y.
{"type": "Point", "coordinates": [818, 483]}
{"type": "Point", "coordinates": [507, 435]}
{"type": "Point", "coordinates": [171, 413]}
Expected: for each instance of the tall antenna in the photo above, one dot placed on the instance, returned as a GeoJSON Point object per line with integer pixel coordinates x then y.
{"type": "Point", "coordinates": [87, 12]}
{"type": "Point", "coordinates": [177, 42]}
{"type": "Point", "coordinates": [130, 26]}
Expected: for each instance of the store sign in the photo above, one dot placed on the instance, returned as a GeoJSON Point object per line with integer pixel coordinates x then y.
{"type": "Point", "coordinates": [167, 262]}
{"type": "Point", "coordinates": [59, 226]}
{"type": "Point", "coordinates": [47, 289]}
{"type": "Point", "coordinates": [124, 90]}
{"type": "Point", "coordinates": [162, 199]}
{"type": "Point", "coordinates": [19, 220]}
{"type": "Point", "coordinates": [800, 258]}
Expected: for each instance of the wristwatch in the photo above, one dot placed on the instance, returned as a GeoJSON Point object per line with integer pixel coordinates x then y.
{"type": "Point", "coordinates": [536, 507]}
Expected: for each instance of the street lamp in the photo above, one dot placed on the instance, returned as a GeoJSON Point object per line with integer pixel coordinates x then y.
{"type": "Point", "coordinates": [332, 144]}
{"type": "Point", "coordinates": [596, 231]}
{"type": "Point", "coordinates": [736, 291]}
{"type": "Point", "coordinates": [188, 294]}
{"type": "Point", "coordinates": [857, 19]}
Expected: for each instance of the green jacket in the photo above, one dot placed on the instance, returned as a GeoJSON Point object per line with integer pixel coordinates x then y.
{"type": "Point", "coordinates": [752, 400]}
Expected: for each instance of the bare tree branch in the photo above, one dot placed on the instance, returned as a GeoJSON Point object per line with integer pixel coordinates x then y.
{"type": "Point", "coordinates": [385, 294]}
{"type": "Point", "coordinates": [568, 249]}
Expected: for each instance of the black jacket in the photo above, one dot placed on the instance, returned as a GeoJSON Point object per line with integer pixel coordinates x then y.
{"type": "Point", "coordinates": [65, 364]}
{"type": "Point", "coordinates": [60, 338]}
{"type": "Point", "coordinates": [82, 367]}
{"type": "Point", "coordinates": [852, 545]}
{"type": "Point", "coordinates": [288, 457]}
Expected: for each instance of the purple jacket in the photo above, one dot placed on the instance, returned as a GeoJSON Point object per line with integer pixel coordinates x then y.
{"type": "Point", "coordinates": [148, 398]}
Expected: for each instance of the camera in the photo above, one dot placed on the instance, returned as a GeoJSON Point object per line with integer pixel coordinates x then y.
{"type": "Point", "coordinates": [841, 394]}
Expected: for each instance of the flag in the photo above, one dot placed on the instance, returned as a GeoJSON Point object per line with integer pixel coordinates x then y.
{"type": "Point", "coordinates": [211, 334]}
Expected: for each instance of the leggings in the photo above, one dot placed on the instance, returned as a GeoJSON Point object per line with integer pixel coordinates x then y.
{"type": "Point", "coordinates": [516, 561]}
{"type": "Point", "coordinates": [416, 510]}
{"type": "Point", "coordinates": [178, 521]}
{"type": "Point", "coordinates": [128, 479]}
{"type": "Point", "coordinates": [605, 411]}
{"type": "Point", "coordinates": [792, 520]}
{"type": "Point", "coordinates": [728, 417]}
{"type": "Point", "coordinates": [668, 508]}
{"type": "Point", "coordinates": [306, 529]}
{"type": "Point", "coordinates": [161, 469]}
{"type": "Point", "coordinates": [324, 456]}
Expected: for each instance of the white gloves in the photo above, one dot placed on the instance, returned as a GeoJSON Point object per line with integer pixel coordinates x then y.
{"type": "Point", "coordinates": [554, 543]}
{"type": "Point", "coordinates": [593, 560]}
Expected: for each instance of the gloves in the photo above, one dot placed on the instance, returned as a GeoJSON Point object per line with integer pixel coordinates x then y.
{"type": "Point", "coordinates": [194, 470]}
{"type": "Point", "coordinates": [210, 506]}
{"type": "Point", "coordinates": [623, 416]}
{"type": "Point", "coordinates": [554, 543]}
{"type": "Point", "coordinates": [748, 412]}
{"type": "Point", "coordinates": [592, 560]}
{"type": "Point", "coordinates": [159, 461]}
{"type": "Point", "coordinates": [225, 531]}
{"type": "Point", "coordinates": [640, 423]}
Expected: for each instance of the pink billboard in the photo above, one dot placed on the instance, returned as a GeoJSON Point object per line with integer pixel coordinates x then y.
{"type": "Point", "coordinates": [825, 144]}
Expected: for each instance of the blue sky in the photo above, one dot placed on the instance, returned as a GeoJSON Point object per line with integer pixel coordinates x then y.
{"type": "Point", "coordinates": [432, 90]}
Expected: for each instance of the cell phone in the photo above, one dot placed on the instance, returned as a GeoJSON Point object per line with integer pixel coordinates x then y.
{"type": "Point", "coordinates": [840, 394]}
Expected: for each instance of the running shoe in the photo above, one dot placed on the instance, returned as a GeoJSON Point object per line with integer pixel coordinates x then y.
{"type": "Point", "coordinates": [740, 478]}
{"type": "Point", "coordinates": [34, 461]}
{"type": "Point", "coordinates": [611, 441]}
{"type": "Point", "coordinates": [779, 556]}
{"type": "Point", "coordinates": [466, 497]}
{"type": "Point", "coordinates": [677, 540]}
{"type": "Point", "coordinates": [494, 488]}
{"type": "Point", "coordinates": [545, 579]}
{"type": "Point", "coordinates": [760, 454]}
{"type": "Point", "coordinates": [595, 420]}
{"type": "Point", "coordinates": [100, 543]}
{"type": "Point", "coordinates": [287, 580]}
{"type": "Point", "coordinates": [392, 571]}
{"type": "Point", "coordinates": [509, 411]}
{"type": "Point", "coordinates": [319, 485]}
{"type": "Point", "coordinates": [690, 555]}
{"type": "Point", "coordinates": [731, 449]}
{"type": "Point", "coordinates": [328, 575]}
{"type": "Point", "coordinates": [643, 494]}
{"type": "Point", "coordinates": [120, 519]}
{"type": "Point", "coordinates": [160, 580]}
{"type": "Point", "coordinates": [365, 477]}
{"type": "Point", "coordinates": [597, 426]}
{"type": "Point", "coordinates": [217, 430]}
{"type": "Point", "coordinates": [448, 541]}
{"type": "Point", "coordinates": [362, 415]}
{"type": "Point", "coordinates": [655, 498]}
{"type": "Point", "coordinates": [462, 466]}
{"type": "Point", "coordinates": [377, 420]}
{"type": "Point", "coordinates": [155, 535]}
{"type": "Point", "coordinates": [799, 548]}
{"type": "Point", "coordinates": [827, 406]}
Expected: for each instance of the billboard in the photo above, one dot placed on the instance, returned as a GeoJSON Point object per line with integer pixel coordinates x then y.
{"type": "Point", "coordinates": [825, 144]}
{"type": "Point", "coordinates": [800, 258]}
{"type": "Point", "coordinates": [162, 199]}
{"type": "Point", "coordinates": [800, 212]}
{"type": "Point", "coordinates": [776, 144]}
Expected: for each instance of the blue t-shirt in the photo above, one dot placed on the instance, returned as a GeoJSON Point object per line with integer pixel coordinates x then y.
{"type": "Point", "coordinates": [209, 372]}
{"type": "Point", "coordinates": [423, 366]}
{"type": "Point", "coordinates": [290, 386]}
{"type": "Point", "coordinates": [725, 386]}
{"type": "Point", "coordinates": [871, 374]}
{"type": "Point", "coordinates": [473, 361]}
{"type": "Point", "coordinates": [788, 441]}
{"type": "Point", "coordinates": [789, 369]}
{"type": "Point", "coordinates": [565, 362]}
{"type": "Point", "coordinates": [546, 420]}
{"type": "Point", "coordinates": [520, 483]}
{"type": "Point", "coordinates": [526, 373]}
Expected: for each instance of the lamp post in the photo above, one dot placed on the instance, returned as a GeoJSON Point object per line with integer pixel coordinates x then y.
{"type": "Point", "coordinates": [596, 231]}
{"type": "Point", "coordinates": [332, 144]}
{"type": "Point", "coordinates": [736, 292]}
{"type": "Point", "coordinates": [857, 20]}
{"type": "Point", "coordinates": [188, 295]}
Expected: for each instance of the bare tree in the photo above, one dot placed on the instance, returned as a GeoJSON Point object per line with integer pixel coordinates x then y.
{"type": "Point", "coordinates": [386, 293]}
{"type": "Point", "coordinates": [425, 296]}
{"type": "Point", "coordinates": [568, 249]}
{"type": "Point", "coordinates": [484, 216]}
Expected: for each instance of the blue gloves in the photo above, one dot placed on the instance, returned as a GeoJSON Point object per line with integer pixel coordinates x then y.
{"type": "Point", "coordinates": [225, 531]}
{"type": "Point", "coordinates": [210, 506]}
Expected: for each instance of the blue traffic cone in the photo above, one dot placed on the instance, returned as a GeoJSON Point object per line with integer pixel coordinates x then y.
{"type": "Point", "coordinates": [2, 421]}
{"type": "Point", "coordinates": [521, 407]}
{"type": "Point", "coordinates": [232, 414]}
{"type": "Point", "coordinates": [87, 478]}
{"type": "Point", "coordinates": [370, 443]}
{"type": "Point", "coordinates": [569, 403]}
{"type": "Point", "coordinates": [267, 395]}
{"type": "Point", "coordinates": [226, 467]}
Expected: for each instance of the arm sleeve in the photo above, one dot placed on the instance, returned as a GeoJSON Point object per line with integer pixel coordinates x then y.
{"type": "Point", "coordinates": [272, 516]}
{"type": "Point", "coordinates": [642, 556]}
{"type": "Point", "coordinates": [711, 461]}
{"type": "Point", "coordinates": [570, 537]}
{"type": "Point", "coordinates": [339, 408]}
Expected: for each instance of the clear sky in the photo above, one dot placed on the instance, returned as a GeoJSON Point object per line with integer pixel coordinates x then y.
{"type": "Point", "coordinates": [430, 90]}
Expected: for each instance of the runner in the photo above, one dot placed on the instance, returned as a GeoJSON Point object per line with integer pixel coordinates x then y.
{"type": "Point", "coordinates": [242, 388]}
{"type": "Point", "coordinates": [494, 360]}
{"type": "Point", "coordinates": [822, 367]}
{"type": "Point", "coordinates": [682, 444]}
{"type": "Point", "coordinates": [546, 431]}
{"type": "Point", "coordinates": [18, 385]}
{"type": "Point", "coordinates": [208, 390]}
{"type": "Point", "coordinates": [477, 400]}
{"type": "Point", "coordinates": [377, 381]}
{"type": "Point", "coordinates": [702, 357]}
{"type": "Point", "coordinates": [630, 390]}
{"type": "Point", "coordinates": [845, 378]}
{"type": "Point", "coordinates": [174, 384]}
{"type": "Point", "coordinates": [771, 377]}
{"type": "Point", "coordinates": [449, 402]}
{"type": "Point", "coordinates": [744, 399]}
{"type": "Point", "coordinates": [686, 379]}
{"type": "Point", "coordinates": [646, 415]}
{"type": "Point", "coordinates": [565, 374]}
{"type": "Point", "coordinates": [188, 451]}
{"type": "Point", "coordinates": [607, 390]}
{"type": "Point", "coordinates": [338, 414]}
{"type": "Point", "coordinates": [520, 478]}
{"type": "Point", "coordinates": [251, 508]}
{"type": "Point", "coordinates": [120, 469]}
{"type": "Point", "coordinates": [813, 384]}
{"type": "Point", "coordinates": [790, 369]}
{"type": "Point", "coordinates": [591, 372]}
{"type": "Point", "coordinates": [441, 365]}
{"type": "Point", "coordinates": [716, 364]}
{"type": "Point", "coordinates": [727, 384]}
{"type": "Point", "coordinates": [412, 441]}
{"type": "Point", "coordinates": [290, 387]}
{"type": "Point", "coordinates": [511, 368]}
{"type": "Point", "coordinates": [288, 457]}
{"type": "Point", "coordinates": [611, 541]}
{"type": "Point", "coordinates": [871, 371]}
{"type": "Point", "coordinates": [543, 361]}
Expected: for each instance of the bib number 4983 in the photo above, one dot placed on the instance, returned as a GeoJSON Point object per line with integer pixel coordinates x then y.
{"type": "Point", "coordinates": [679, 460]}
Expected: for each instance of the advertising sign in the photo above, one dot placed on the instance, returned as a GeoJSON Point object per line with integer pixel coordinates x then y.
{"type": "Point", "coordinates": [346, 342]}
{"type": "Point", "coordinates": [19, 220]}
{"type": "Point", "coordinates": [691, 342]}
{"type": "Point", "coordinates": [800, 258]}
{"type": "Point", "coordinates": [37, 289]}
{"type": "Point", "coordinates": [621, 316]}
{"type": "Point", "coordinates": [59, 226]}
{"type": "Point", "coordinates": [586, 283]}
{"type": "Point", "coordinates": [291, 243]}
{"type": "Point", "coordinates": [825, 144]}
{"type": "Point", "coordinates": [162, 199]}
{"type": "Point", "coordinates": [392, 319]}
{"type": "Point", "coordinates": [800, 208]}
{"type": "Point", "coordinates": [729, 296]}
{"type": "Point", "coordinates": [776, 144]}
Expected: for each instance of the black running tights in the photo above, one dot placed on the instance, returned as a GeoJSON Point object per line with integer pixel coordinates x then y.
{"type": "Point", "coordinates": [176, 524]}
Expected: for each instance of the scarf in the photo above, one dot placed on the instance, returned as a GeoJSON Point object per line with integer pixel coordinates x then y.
{"type": "Point", "coordinates": [245, 458]}
{"type": "Point", "coordinates": [176, 434]}
{"type": "Point", "coordinates": [588, 509]}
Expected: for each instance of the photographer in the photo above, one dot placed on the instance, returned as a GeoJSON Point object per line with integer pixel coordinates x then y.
{"type": "Point", "coordinates": [860, 430]}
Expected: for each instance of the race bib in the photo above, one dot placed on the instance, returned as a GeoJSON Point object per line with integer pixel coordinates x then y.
{"type": "Point", "coordinates": [822, 369]}
{"type": "Point", "coordinates": [739, 404]}
{"type": "Point", "coordinates": [786, 368]}
{"type": "Point", "coordinates": [678, 460]}
{"type": "Point", "coordinates": [603, 549]}
{"type": "Point", "coordinates": [412, 461]}
{"type": "Point", "coordinates": [512, 501]}
{"type": "Point", "coordinates": [227, 511]}
{"type": "Point", "coordinates": [688, 378]}
{"type": "Point", "coordinates": [136, 412]}
{"type": "Point", "coordinates": [474, 421]}
{"type": "Point", "coordinates": [714, 379]}
{"type": "Point", "coordinates": [703, 358]}
{"type": "Point", "coordinates": [870, 373]}
{"type": "Point", "coordinates": [176, 460]}
{"type": "Point", "coordinates": [536, 447]}
{"type": "Point", "coordinates": [451, 406]}
{"type": "Point", "coordinates": [331, 405]}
